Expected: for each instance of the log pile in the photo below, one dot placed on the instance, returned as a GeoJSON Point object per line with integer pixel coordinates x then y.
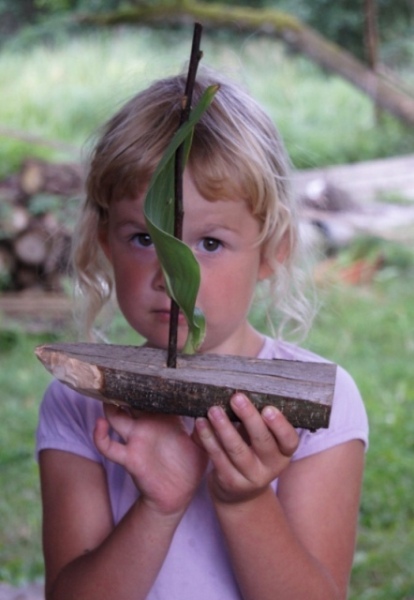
{"type": "Point", "coordinates": [339, 203]}
{"type": "Point", "coordinates": [37, 208]}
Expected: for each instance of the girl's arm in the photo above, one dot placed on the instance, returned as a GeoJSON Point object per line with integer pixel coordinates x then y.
{"type": "Point", "coordinates": [85, 555]}
{"type": "Point", "coordinates": [300, 543]}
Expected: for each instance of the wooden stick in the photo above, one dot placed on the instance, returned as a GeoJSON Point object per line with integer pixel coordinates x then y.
{"type": "Point", "coordinates": [195, 58]}
{"type": "Point", "coordinates": [137, 377]}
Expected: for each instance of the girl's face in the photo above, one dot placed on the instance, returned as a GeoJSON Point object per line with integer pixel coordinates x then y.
{"type": "Point", "coordinates": [222, 234]}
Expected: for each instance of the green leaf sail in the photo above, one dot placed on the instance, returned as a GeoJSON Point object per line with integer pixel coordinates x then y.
{"type": "Point", "coordinates": [179, 265]}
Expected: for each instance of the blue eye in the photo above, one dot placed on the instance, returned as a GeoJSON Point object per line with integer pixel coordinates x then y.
{"type": "Point", "coordinates": [142, 239]}
{"type": "Point", "coordinates": [211, 244]}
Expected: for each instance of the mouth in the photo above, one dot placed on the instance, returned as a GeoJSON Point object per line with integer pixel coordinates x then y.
{"type": "Point", "coordinates": [163, 315]}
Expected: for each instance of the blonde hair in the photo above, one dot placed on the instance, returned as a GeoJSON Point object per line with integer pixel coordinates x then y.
{"type": "Point", "coordinates": [236, 153]}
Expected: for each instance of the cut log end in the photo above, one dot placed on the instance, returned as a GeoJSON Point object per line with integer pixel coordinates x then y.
{"type": "Point", "coordinates": [77, 374]}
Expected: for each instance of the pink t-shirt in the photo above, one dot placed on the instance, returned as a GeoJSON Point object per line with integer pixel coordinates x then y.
{"type": "Point", "coordinates": [197, 564]}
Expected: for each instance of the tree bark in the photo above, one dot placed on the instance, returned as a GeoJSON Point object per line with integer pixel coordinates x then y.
{"type": "Point", "coordinates": [291, 30]}
{"type": "Point", "coordinates": [138, 377]}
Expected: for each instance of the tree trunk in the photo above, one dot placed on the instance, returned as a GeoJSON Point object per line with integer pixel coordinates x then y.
{"type": "Point", "coordinates": [275, 23]}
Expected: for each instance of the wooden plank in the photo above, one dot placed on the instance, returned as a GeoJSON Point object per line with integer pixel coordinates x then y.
{"type": "Point", "coordinates": [365, 181]}
{"type": "Point", "coordinates": [137, 377]}
{"type": "Point", "coordinates": [48, 305]}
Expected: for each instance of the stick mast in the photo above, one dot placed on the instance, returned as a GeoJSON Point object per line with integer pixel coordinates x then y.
{"type": "Point", "coordinates": [195, 58]}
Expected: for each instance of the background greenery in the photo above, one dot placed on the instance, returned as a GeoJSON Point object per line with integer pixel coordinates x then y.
{"type": "Point", "coordinates": [341, 21]}
{"type": "Point", "coordinates": [62, 90]}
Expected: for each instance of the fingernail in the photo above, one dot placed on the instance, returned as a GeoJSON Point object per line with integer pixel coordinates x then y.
{"type": "Point", "coordinates": [269, 413]}
{"type": "Point", "coordinates": [239, 400]}
{"type": "Point", "coordinates": [203, 430]}
{"type": "Point", "coordinates": [201, 424]}
{"type": "Point", "coordinates": [216, 413]}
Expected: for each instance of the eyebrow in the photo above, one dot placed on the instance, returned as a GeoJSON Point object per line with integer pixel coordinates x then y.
{"type": "Point", "coordinates": [128, 222]}
{"type": "Point", "coordinates": [212, 226]}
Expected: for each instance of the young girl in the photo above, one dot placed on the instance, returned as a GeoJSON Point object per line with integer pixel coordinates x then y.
{"type": "Point", "coordinates": [161, 507]}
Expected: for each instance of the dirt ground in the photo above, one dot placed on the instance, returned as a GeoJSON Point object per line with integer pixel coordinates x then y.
{"type": "Point", "coordinates": [33, 591]}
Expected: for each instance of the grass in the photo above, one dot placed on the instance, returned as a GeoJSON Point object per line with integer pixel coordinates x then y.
{"type": "Point", "coordinates": [375, 341]}
{"type": "Point", "coordinates": [22, 383]}
{"type": "Point", "coordinates": [64, 93]}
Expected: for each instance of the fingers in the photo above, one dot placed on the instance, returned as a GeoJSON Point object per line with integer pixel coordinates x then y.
{"type": "Point", "coordinates": [245, 465]}
{"type": "Point", "coordinates": [285, 435]}
{"type": "Point", "coordinates": [260, 437]}
{"type": "Point", "coordinates": [269, 435]}
{"type": "Point", "coordinates": [111, 449]}
{"type": "Point", "coordinates": [267, 428]}
{"type": "Point", "coordinates": [120, 419]}
{"type": "Point", "coordinates": [221, 441]}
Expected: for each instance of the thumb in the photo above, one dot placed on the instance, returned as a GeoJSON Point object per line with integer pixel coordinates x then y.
{"type": "Point", "coordinates": [109, 448]}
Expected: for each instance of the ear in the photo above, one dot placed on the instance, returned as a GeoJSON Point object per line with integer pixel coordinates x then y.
{"type": "Point", "coordinates": [266, 269]}
{"type": "Point", "coordinates": [283, 249]}
{"type": "Point", "coordinates": [104, 241]}
{"type": "Point", "coordinates": [270, 258]}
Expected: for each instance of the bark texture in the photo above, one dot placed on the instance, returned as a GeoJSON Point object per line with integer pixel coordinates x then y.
{"type": "Point", "coordinates": [139, 378]}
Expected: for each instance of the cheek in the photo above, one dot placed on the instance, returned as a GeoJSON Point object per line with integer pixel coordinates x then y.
{"type": "Point", "coordinates": [129, 281]}
{"type": "Point", "coordinates": [123, 295]}
{"type": "Point", "coordinates": [121, 279]}
{"type": "Point", "coordinates": [226, 291]}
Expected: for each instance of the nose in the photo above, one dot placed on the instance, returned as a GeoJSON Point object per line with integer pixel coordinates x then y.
{"type": "Point", "coordinates": [158, 281]}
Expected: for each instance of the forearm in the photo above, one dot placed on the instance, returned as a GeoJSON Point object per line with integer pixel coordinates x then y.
{"type": "Point", "coordinates": [268, 559]}
{"type": "Point", "coordinates": [125, 565]}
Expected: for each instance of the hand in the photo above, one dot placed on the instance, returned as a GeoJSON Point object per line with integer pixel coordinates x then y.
{"type": "Point", "coordinates": [244, 468]}
{"type": "Point", "coordinates": [164, 462]}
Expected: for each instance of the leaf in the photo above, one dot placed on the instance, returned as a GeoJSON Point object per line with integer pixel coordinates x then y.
{"type": "Point", "coordinates": [179, 265]}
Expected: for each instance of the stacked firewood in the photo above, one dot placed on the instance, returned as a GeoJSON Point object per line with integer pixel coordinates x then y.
{"type": "Point", "coordinates": [37, 208]}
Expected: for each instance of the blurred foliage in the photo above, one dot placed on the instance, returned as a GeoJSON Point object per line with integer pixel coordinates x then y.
{"type": "Point", "coordinates": [14, 15]}
{"type": "Point", "coordinates": [323, 120]}
{"type": "Point", "coordinates": [341, 21]}
{"type": "Point", "coordinates": [391, 254]}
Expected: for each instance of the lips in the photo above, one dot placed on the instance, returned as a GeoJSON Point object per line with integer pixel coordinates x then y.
{"type": "Point", "coordinates": [163, 315]}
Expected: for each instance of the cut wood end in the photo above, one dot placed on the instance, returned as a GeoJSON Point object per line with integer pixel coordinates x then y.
{"type": "Point", "coordinates": [75, 373]}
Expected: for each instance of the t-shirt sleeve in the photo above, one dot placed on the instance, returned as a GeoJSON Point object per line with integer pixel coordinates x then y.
{"type": "Point", "coordinates": [66, 422]}
{"type": "Point", "coordinates": [348, 420]}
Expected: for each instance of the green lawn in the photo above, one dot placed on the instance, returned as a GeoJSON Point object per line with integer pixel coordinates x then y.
{"type": "Point", "coordinates": [22, 382]}
{"type": "Point", "coordinates": [370, 331]}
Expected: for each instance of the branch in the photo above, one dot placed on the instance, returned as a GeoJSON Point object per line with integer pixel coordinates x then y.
{"type": "Point", "coordinates": [138, 378]}
{"type": "Point", "coordinates": [275, 23]}
{"type": "Point", "coordinates": [178, 196]}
